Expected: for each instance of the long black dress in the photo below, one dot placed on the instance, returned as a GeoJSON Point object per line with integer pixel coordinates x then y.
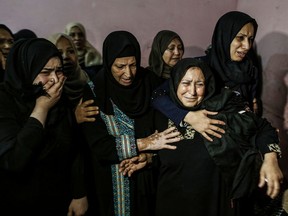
{"type": "Point", "coordinates": [190, 183]}
{"type": "Point", "coordinates": [215, 178]}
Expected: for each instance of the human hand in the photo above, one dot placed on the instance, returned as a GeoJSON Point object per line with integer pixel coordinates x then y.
{"type": "Point", "coordinates": [204, 125]}
{"type": "Point", "coordinates": [129, 166]}
{"type": "Point", "coordinates": [271, 175]}
{"type": "Point", "coordinates": [45, 102]}
{"type": "Point", "coordinates": [84, 112]}
{"type": "Point", "coordinates": [255, 106]}
{"type": "Point", "coordinates": [158, 141]}
{"type": "Point", "coordinates": [78, 207]}
{"type": "Point", "coordinates": [54, 92]}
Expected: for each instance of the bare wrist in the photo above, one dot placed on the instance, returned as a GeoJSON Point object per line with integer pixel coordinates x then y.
{"type": "Point", "coordinates": [271, 156]}
{"type": "Point", "coordinates": [142, 145]}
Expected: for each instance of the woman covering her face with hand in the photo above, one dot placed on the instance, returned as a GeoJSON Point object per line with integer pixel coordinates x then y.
{"type": "Point", "coordinates": [40, 161]}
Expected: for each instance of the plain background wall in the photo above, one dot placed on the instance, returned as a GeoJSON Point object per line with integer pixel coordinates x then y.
{"type": "Point", "coordinates": [193, 20]}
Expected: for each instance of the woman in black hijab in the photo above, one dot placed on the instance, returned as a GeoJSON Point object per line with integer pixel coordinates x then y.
{"type": "Point", "coordinates": [122, 90]}
{"type": "Point", "coordinates": [214, 178]}
{"type": "Point", "coordinates": [232, 68]}
{"type": "Point", "coordinates": [232, 39]}
{"type": "Point", "coordinates": [38, 148]}
{"type": "Point", "coordinates": [167, 49]}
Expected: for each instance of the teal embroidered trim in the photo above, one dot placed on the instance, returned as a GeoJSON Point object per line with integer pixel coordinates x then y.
{"type": "Point", "coordinates": [122, 127]}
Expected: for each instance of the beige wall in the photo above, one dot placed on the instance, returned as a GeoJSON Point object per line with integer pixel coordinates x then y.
{"type": "Point", "coordinates": [192, 20]}
{"type": "Point", "coordinates": [272, 46]}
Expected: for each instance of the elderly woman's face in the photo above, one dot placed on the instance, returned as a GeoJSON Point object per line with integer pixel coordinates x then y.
{"type": "Point", "coordinates": [124, 70]}
{"type": "Point", "coordinates": [52, 71]}
{"type": "Point", "coordinates": [68, 54]}
{"type": "Point", "coordinates": [173, 53]}
{"type": "Point", "coordinates": [191, 89]}
{"type": "Point", "coordinates": [77, 37]}
{"type": "Point", "coordinates": [6, 42]}
{"type": "Point", "coordinates": [242, 43]}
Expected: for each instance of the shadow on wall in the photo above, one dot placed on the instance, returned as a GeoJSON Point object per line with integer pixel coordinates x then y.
{"type": "Point", "coordinates": [274, 54]}
{"type": "Point", "coordinates": [145, 51]}
{"type": "Point", "coordinates": [193, 51]}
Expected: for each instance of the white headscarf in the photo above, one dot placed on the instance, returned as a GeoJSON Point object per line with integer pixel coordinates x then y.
{"type": "Point", "coordinates": [91, 55]}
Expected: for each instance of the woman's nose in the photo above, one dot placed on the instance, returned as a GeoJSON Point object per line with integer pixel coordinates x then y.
{"type": "Point", "coordinates": [53, 75]}
{"type": "Point", "coordinates": [128, 71]}
{"type": "Point", "coordinates": [176, 51]}
{"type": "Point", "coordinates": [246, 44]}
{"type": "Point", "coordinates": [192, 89]}
{"type": "Point", "coordinates": [65, 55]}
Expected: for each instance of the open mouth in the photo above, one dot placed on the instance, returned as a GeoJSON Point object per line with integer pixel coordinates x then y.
{"type": "Point", "coordinates": [241, 54]}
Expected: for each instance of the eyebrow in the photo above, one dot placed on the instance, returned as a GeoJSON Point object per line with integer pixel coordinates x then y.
{"type": "Point", "coordinates": [240, 33]}
{"type": "Point", "coordinates": [51, 69]}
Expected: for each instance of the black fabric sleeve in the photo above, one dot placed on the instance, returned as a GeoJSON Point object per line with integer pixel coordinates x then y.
{"type": "Point", "coordinates": [162, 102]}
{"type": "Point", "coordinates": [267, 137]}
{"type": "Point", "coordinates": [18, 144]}
{"type": "Point", "coordinates": [79, 180]}
{"type": "Point", "coordinates": [100, 142]}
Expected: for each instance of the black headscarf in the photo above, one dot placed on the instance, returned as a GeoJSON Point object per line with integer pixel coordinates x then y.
{"type": "Point", "coordinates": [24, 34]}
{"type": "Point", "coordinates": [232, 74]}
{"type": "Point", "coordinates": [235, 153]}
{"type": "Point", "coordinates": [2, 26]}
{"type": "Point", "coordinates": [134, 99]}
{"type": "Point", "coordinates": [179, 71]}
{"type": "Point", "coordinates": [25, 61]}
{"type": "Point", "coordinates": [159, 45]}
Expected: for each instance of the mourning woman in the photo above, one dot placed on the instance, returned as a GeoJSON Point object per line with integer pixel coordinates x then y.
{"type": "Point", "coordinates": [216, 178]}
{"type": "Point", "coordinates": [40, 163]}
{"type": "Point", "coordinates": [228, 58]}
{"type": "Point", "coordinates": [124, 129]}
{"type": "Point", "coordinates": [219, 177]}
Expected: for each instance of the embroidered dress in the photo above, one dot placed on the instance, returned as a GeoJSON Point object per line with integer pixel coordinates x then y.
{"type": "Point", "coordinates": [122, 127]}
{"type": "Point", "coordinates": [125, 116]}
